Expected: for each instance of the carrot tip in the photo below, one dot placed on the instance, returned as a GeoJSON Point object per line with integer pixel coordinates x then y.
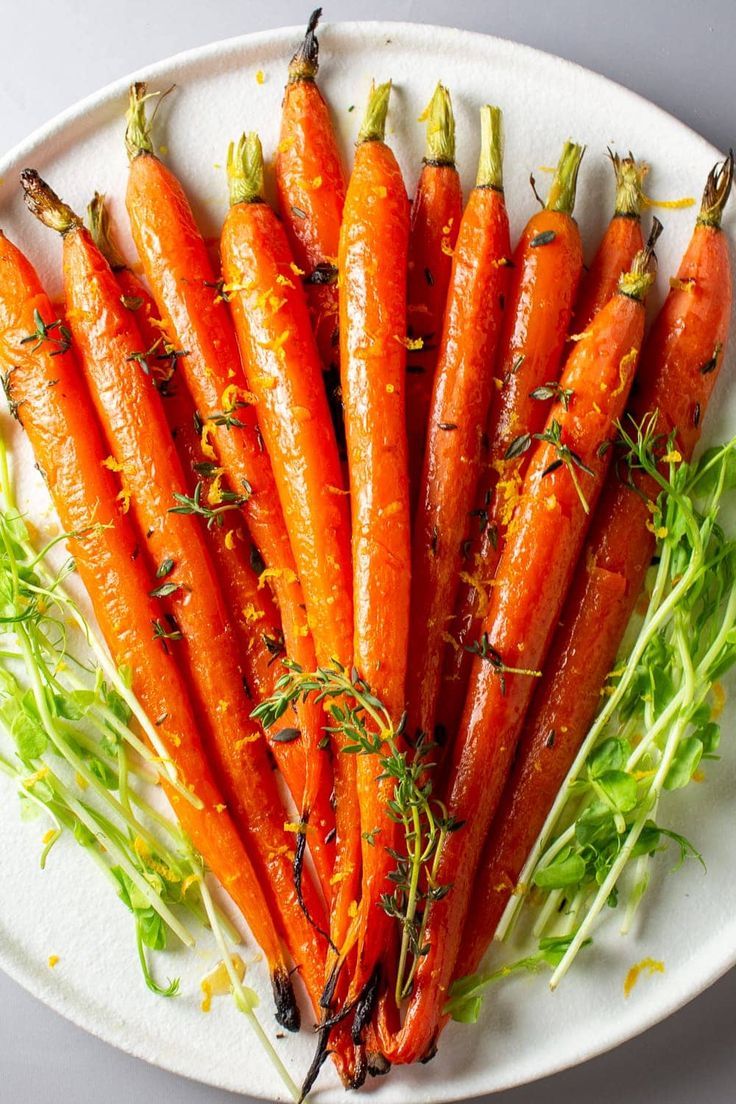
{"type": "Point", "coordinates": [245, 169]}
{"type": "Point", "coordinates": [373, 128]}
{"type": "Point", "coordinates": [98, 220]}
{"type": "Point", "coordinates": [630, 176]}
{"type": "Point", "coordinates": [490, 163]}
{"type": "Point", "coordinates": [637, 281]}
{"type": "Point", "coordinates": [305, 63]}
{"type": "Point", "coordinates": [564, 184]}
{"type": "Point", "coordinates": [717, 190]}
{"type": "Point", "coordinates": [440, 121]}
{"type": "Point", "coordinates": [287, 1010]}
{"type": "Point", "coordinates": [43, 202]}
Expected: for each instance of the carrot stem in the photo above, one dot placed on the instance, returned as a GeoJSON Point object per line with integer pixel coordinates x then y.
{"type": "Point", "coordinates": [564, 183]}
{"type": "Point", "coordinates": [304, 65]}
{"type": "Point", "coordinates": [373, 128]}
{"type": "Point", "coordinates": [440, 128]}
{"type": "Point", "coordinates": [245, 169]}
{"type": "Point", "coordinates": [490, 163]}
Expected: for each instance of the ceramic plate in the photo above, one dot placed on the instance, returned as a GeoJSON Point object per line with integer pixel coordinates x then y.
{"type": "Point", "coordinates": [689, 918]}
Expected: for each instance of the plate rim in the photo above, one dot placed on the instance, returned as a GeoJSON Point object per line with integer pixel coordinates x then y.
{"type": "Point", "coordinates": [99, 99]}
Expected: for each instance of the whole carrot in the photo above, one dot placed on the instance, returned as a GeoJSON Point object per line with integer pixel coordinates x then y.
{"type": "Point", "coordinates": [181, 278]}
{"type": "Point", "coordinates": [373, 255]}
{"type": "Point", "coordinates": [619, 245]}
{"type": "Point", "coordinates": [546, 268]}
{"type": "Point", "coordinates": [459, 408]}
{"type": "Point", "coordinates": [236, 560]}
{"type": "Point", "coordinates": [46, 392]}
{"type": "Point", "coordinates": [284, 376]}
{"type": "Point", "coordinates": [679, 367]}
{"type": "Point", "coordinates": [565, 473]}
{"type": "Point", "coordinates": [311, 190]}
{"type": "Point", "coordinates": [435, 221]}
{"type": "Point", "coordinates": [134, 425]}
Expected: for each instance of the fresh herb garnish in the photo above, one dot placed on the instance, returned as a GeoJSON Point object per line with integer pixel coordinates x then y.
{"type": "Point", "coordinates": [192, 504]}
{"type": "Point", "coordinates": [55, 333]}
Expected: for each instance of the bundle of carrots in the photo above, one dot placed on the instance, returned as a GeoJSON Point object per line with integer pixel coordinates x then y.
{"type": "Point", "coordinates": [379, 422]}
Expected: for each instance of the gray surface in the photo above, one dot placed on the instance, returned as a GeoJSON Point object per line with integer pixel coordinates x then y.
{"type": "Point", "coordinates": [674, 52]}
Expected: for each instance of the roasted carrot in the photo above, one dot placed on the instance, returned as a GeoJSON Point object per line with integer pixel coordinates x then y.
{"type": "Point", "coordinates": [251, 605]}
{"type": "Point", "coordinates": [435, 221]}
{"type": "Point", "coordinates": [372, 263]}
{"type": "Point", "coordinates": [547, 264]}
{"type": "Point", "coordinates": [46, 392]}
{"type": "Point", "coordinates": [619, 245]}
{"type": "Point", "coordinates": [283, 374]}
{"type": "Point", "coordinates": [459, 409]}
{"type": "Point", "coordinates": [181, 278]}
{"type": "Point", "coordinates": [311, 190]}
{"type": "Point", "coordinates": [565, 473]}
{"type": "Point", "coordinates": [130, 411]}
{"type": "Point", "coordinates": [680, 362]}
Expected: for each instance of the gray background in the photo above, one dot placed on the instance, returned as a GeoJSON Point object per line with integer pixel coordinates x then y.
{"type": "Point", "coordinates": [675, 52]}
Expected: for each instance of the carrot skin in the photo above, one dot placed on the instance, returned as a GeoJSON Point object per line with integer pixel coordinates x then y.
{"type": "Point", "coordinates": [373, 257]}
{"type": "Point", "coordinates": [435, 222]}
{"type": "Point", "coordinates": [130, 410]}
{"type": "Point", "coordinates": [56, 412]}
{"type": "Point", "coordinates": [534, 574]}
{"type": "Point", "coordinates": [459, 411]}
{"type": "Point", "coordinates": [542, 294]}
{"type": "Point", "coordinates": [611, 573]}
{"type": "Point", "coordinates": [619, 245]}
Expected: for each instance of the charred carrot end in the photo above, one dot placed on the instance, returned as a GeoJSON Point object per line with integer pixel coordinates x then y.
{"type": "Point", "coordinates": [490, 162]}
{"type": "Point", "coordinates": [46, 205]}
{"type": "Point", "coordinates": [565, 181]}
{"type": "Point", "coordinates": [440, 121]}
{"type": "Point", "coordinates": [245, 170]}
{"type": "Point", "coordinates": [373, 127]}
{"type": "Point", "coordinates": [304, 65]}
{"type": "Point", "coordinates": [717, 190]}
{"type": "Point", "coordinates": [637, 281]}
{"type": "Point", "coordinates": [98, 221]}
{"type": "Point", "coordinates": [630, 175]}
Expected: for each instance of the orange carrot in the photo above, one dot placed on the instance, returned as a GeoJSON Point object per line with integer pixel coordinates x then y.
{"type": "Point", "coordinates": [458, 414]}
{"type": "Point", "coordinates": [130, 411]}
{"type": "Point", "coordinates": [563, 479]}
{"type": "Point", "coordinates": [680, 362]}
{"type": "Point", "coordinates": [47, 393]}
{"type": "Point", "coordinates": [435, 220]}
{"type": "Point", "coordinates": [283, 374]}
{"type": "Point", "coordinates": [181, 278]}
{"type": "Point", "coordinates": [547, 263]}
{"type": "Point", "coordinates": [373, 256]}
{"type": "Point", "coordinates": [311, 189]}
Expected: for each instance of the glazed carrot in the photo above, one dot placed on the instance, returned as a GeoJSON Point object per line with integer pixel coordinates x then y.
{"type": "Point", "coordinates": [547, 264]}
{"type": "Point", "coordinates": [284, 377]}
{"type": "Point", "coordinates": [458, 414]}
{"type": "Point", "coordinates": [251, 605]}
{"type": "Point", "coordinates": [619, 245]}
{"type": "Point", "coordinates": [373, 254]}
{"type": "Point", "coordinates": [565, 474]}
{"type": "Point", "coordinates": [680, 362]}
{"type": "Point", "coordinates": [311, 190]}
{"type": "Point", "coordinates": [47, 394]}
{"type": "Point", "coordinates": [130, 410]}
{"type": "Point", "coordinates": [435, 220]}
{"type": "Point", "coordinates": [183, 284]}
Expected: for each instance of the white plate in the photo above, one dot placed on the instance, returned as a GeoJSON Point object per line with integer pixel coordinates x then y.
{"type": "Point", "coordinates": [689, 919]}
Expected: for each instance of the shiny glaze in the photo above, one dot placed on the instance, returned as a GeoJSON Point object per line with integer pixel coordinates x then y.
{"type": "Point", "coordinates": [57, 413]}
{"type": "Point", "coordinates": [435, 222]}
{"type": "Point", "coordinates": [609, 579]}
{"type": "Point", "coordinates": [310, 179]}
{"type": "Point", "coordinates": [461, 398]}
{"type": "Point", "coordinates": [534, 573]}
{"type": "Point", "coordinates": [373, 257]}
{"type": "Point", "coordinates": [130, 410]}
{"type": "Point", "coordinates": [544, 284]}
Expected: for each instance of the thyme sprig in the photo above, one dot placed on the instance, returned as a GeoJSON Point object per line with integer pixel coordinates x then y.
{"type": "Point", "coordinates": [213, 515]}
{"type": "Point", "coordinates": [483, 648]}
{"type": "Point", "coordinates": [552, 435]}
{"type": "Point", "coordinates": [367, 728]}
{"type": "Point", "coordinates": [55, 333]}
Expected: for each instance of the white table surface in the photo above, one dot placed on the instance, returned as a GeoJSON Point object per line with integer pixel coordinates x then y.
{"type": "Point", "coordinates": [678, 54]}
